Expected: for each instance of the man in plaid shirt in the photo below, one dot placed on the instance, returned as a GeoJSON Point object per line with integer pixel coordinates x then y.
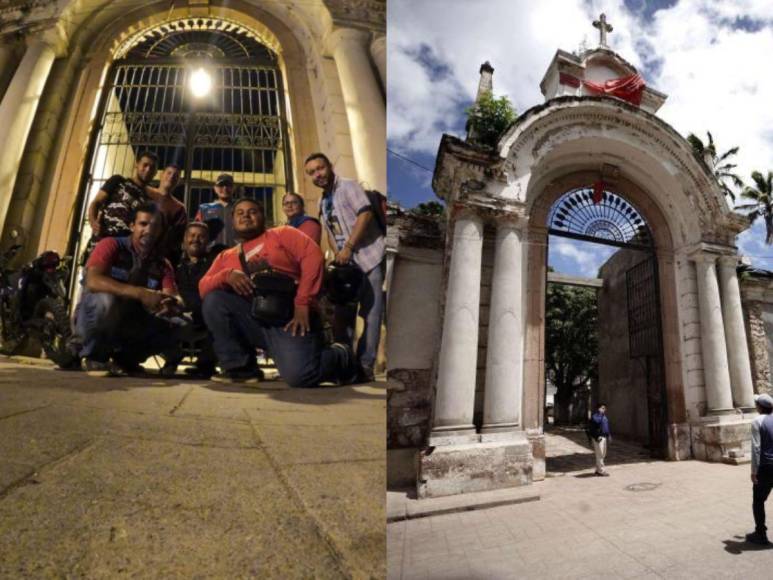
{"type": "Point", "coordinates": [347, 215]}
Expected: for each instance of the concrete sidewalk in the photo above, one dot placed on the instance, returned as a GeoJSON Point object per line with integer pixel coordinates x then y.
{"type": "Point", "coordinates": [649, 519]}
{"type": "Point", "coordinates": [152, 478]}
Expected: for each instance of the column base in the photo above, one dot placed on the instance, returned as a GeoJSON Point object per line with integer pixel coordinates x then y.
{"type": "Point", "coordinates": [475, 466]}
{"type": "Point", "coordinates": [728, 411]}
{"type": "Point", "coordinates": [722, 440]}
{"type": "Point", "coordinates": [452, 435]}
{"type": "Point", "coordinates": [500, 428]}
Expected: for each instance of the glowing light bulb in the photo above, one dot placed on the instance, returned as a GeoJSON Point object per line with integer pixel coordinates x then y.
{"type": "Point", "coordinates": [200, 83]}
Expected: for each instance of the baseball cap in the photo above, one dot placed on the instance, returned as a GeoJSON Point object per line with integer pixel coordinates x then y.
{"type": "Point", "coordinates": [224, 179]}
{"type": "Point", "coordinates": [764, 400]}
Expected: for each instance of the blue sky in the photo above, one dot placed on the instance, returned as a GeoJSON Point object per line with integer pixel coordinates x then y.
{"type": "Point", "coordinates": [710, 57]}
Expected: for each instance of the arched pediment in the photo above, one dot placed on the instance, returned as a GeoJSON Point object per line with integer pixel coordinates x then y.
{"type": "Point", "coordinates": [603, 134]}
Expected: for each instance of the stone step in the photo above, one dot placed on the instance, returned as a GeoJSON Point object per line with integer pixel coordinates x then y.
{"type": "Point", "coordinates": [403, 505]}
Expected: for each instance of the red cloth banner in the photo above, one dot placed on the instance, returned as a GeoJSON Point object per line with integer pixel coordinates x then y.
{"type": "Point", "coordinates": [569, 80]}
{"type": "Point", "coordinates": [598, 191]}
{"type": "Point", "coordinates": [628, 88]}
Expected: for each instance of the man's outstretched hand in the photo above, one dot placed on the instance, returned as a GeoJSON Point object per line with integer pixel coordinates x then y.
{"type": "Point", "coordinates": [241, 283]}
{"type": "Point", "coordinates": [299, 325]}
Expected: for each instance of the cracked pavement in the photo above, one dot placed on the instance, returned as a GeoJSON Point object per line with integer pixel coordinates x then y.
{"type": "Point", "coordinates": [155, 478]}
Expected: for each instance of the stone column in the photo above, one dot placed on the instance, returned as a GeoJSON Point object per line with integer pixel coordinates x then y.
{"type": "Point", "coordinates": [378, 50]}
{"type": "Point", "coordinates": [17, 112]}
{"type": "Point", "coordinates": [713, 344]}
{"type": "Point", "coordinates": [365, 106]}
{"type": "Point", "coordinates": [455, 398]}
{"type": "Point", "coordinates": [504, 357]}
{"type": "Point", "coordinates": [735, 334]}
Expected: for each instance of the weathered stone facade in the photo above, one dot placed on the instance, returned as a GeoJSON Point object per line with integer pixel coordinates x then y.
{"type": "Point", "coordinates": [757, 296]}
{"type": "Point", "coordinates": [488, 366]}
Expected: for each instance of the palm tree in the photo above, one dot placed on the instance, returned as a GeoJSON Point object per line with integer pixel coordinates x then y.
{"type": "Point", "coordinates": [762, 198]}
{"type": "Point", "coordinates": [720, 165]}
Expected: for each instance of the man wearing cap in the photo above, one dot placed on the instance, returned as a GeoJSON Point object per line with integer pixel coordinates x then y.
{"type": "Point", "coordinates": [762, 466]}
{"type": "Point", "coordinates": [227, 291]}
{"type": "Point", "coordinates": [218, 214]}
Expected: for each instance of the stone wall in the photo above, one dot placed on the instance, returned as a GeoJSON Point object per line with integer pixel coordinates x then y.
{"type": "Point", "coordinates": [757, 298]}
{"type": "Point", "coordinates": [413, 319]}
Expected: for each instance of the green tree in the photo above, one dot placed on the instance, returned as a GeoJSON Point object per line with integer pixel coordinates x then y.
{"type": "Point", "coordinates": [572, 342]}
{"type": "Point", "coordinates": [488, 119]}
{"type": "Point", "coordinates": [720, 165]}
{"type": "Point", "coordinates": [761, 205]}
{"type": "Point", "coordinates": [429, 208]}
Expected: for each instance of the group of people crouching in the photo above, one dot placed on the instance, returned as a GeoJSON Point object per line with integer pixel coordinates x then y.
{"type": "Point", "coordinates": [226, 283]}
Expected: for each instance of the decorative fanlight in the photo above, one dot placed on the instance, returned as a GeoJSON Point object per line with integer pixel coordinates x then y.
{"type": "Point", "coordinates": [593, 212]}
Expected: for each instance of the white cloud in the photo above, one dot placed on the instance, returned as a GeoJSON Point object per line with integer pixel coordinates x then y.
{"type": "Point", "coordinates": [578, 258]}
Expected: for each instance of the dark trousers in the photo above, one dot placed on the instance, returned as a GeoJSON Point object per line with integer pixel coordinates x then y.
{"type": "Point", "coordinates": [111, 326]}
{"type": "Point", "coordinates": [371, 308]}
{"type": "Point", "coordinates": [302, 361]}
{"type": "Point", "coordinates": [760, 493]}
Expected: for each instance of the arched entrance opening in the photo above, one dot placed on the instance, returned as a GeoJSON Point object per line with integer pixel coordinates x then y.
{"type": "Point", "coordinates": [203, 93]}
{"type": "Point", "coordinates": [603, 332]}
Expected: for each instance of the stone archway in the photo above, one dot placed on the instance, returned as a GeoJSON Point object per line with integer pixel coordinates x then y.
{"type": "Point", "coordinates": [663, 253]}
{"type": "Point", "coordinates": [489, 392]}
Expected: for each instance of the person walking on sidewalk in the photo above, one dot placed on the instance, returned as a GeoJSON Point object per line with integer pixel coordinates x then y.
{"type": "Point", "coordinates": [598, 432]}
{"type": "Point", "coordinates": [762, 466]}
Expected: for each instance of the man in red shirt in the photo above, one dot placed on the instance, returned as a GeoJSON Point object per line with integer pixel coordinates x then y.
{"type": "Point", "coordinates": [129, 293]}
{"type": "Point", "coordinates": [227, 291]}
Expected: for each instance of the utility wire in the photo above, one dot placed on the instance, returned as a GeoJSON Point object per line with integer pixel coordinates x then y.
{"type": "Point", "coordinates": [404, 158]}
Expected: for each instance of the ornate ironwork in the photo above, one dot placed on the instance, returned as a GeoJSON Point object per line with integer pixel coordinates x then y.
{"type": "Point", "coordinates": [200, 37]}
{"type": "Point", "coordinates": [643, 309]}
{"type": "Point", "coordinates": [610, 218]}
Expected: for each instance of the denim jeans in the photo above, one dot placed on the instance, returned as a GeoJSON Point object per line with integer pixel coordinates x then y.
{"type": "Point", "coordinates": [111, 326]}
{"type": "Point", "coordinates": [371, 309]}
{"type": "Point", "coordinates": [760, 493]}
{"type": "Point", "coordinates": [302, 361]}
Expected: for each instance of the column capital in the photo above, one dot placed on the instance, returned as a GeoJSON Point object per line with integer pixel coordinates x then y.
{"type": "Point", "coordinates": [516, 221]}
{"type": "Point", "coordinates": [54, 37]}
{"type": "Point", "coordinates": [464, 211]}
{"type": "Point", "coordinates": [729, 261]}
{"type": "Point", "coordinates": [338, 35]}
{"type": "Point", "coordinates": [701, 257]}
{"type": "Point", "coordinates": [378, 43]}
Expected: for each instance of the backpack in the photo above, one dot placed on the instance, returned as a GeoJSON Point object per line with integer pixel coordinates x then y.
{"type": "Point", "coordinates": [378, 202]}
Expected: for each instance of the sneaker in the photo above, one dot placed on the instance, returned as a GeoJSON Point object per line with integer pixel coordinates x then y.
{"type": "Point", "coordinates": [602, 473]}
{"type": "Point", "coordinates": [350, 370]}
{"type": "Point", "coordinates": [168, 370]}
{"type": "Point", "coordinates": [758, 538]}
{"type": "Point", "coordinates": [199, 372]}
{"type": "Point", "coordinates": [97, 368]}
{"type": "Point", "coordinates": [241, 375]}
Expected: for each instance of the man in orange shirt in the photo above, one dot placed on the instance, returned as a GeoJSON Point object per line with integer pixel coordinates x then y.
{"type": "Point", "coordinates": [295, 345]}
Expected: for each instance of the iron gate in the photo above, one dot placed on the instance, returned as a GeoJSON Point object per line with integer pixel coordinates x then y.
{"type": "Point", "coordinates": [239, 128]}
{"type": "Point", "coordinates": [645, 344]}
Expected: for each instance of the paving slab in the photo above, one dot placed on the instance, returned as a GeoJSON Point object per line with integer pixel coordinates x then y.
{"type": "Point", "coordinates": [148, 478]}
{"type": "Point", "coordinates": [649, 519]}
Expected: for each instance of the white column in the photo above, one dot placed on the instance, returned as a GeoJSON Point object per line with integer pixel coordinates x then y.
{"type": "Point", "coordinates": [17, 112]}
{"type": "Point", "coordinates": [504, 358]}
{"type": "Point", "coordinates": [455, 398]}
{"type": "Point", "coordinates": [378, 50]}
{"type": "Point", "coordinates": [735, 333]}
{"type": "Point", "coordinates": [365, 106]}
{"type": "Point", "coordinates": [715, 371]}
